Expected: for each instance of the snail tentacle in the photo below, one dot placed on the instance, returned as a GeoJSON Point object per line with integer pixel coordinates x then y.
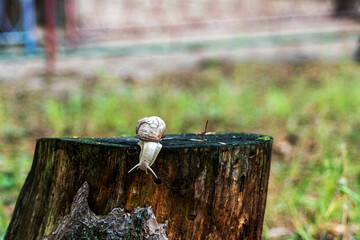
{"type": "Point", "coordinates": [148, 167]}
{"type": "Point", "coordinates": [136, 166]}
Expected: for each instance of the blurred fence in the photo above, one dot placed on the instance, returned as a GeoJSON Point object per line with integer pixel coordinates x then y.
{"type": "Point", "coordinates": [110, 19]}
{"type": "Point", "coordinates": [131, 21]}
{"type": "Point", "coordinates": [17, 23]}
{"type": "Point", "coordinates": [99, 20]}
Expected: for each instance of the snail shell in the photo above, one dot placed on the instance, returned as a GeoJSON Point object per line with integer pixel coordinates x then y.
{"type": "Point", "coordinates": [150, 129]}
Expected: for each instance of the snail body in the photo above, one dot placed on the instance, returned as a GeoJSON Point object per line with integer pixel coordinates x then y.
{"type": "Point", "coordinates": [148, 154]}
{"type": "Point", "coordinates": [149, 130]}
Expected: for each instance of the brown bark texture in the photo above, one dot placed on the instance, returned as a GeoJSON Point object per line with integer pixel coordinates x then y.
{"type": "Point", "coordinates": [209, 189]}
{"type": "Point", "coordinates": [82, 223]}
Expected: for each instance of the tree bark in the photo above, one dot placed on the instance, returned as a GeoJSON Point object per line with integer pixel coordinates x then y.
{"type": "Point", "coordinates": [209, 189]}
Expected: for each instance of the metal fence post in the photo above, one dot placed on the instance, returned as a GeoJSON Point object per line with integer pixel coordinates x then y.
{"type": "Point", "coordinates": [49, 35]}
{"type": "Point", "coordinates": [29, 26]}
{"type": "Point", "coordinates": [70, 23]}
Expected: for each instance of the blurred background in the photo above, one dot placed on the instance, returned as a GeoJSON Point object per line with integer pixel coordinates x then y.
{"type": "Point", "coordinates": [285, 68]}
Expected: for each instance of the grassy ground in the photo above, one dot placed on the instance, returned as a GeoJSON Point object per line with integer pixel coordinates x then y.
{"type": "Point", "coordinates": [311, 109]}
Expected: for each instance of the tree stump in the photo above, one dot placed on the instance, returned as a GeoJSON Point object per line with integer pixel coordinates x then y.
{"type": "Point", "coordinates": [208, 189]}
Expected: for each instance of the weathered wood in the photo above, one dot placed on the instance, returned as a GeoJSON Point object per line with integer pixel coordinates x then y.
{"type": "Point", "coordinates": [82, 223]}
{"type": "Point", "coordinates": [209, 189]}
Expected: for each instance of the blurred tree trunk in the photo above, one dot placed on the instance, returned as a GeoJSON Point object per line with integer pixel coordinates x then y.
{"type": "Point", "coordinates": [357, 52]}
{"type": "Point", "coordinates": [346, 7]}
{"type": "Point", "coordinates": [213, 189]}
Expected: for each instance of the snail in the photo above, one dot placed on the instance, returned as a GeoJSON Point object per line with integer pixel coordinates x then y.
{"type": "Point", "coordinates": [149, 130]}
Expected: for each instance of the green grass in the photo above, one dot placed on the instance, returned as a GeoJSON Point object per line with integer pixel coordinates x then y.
{"type": "Point", "coordinates": [311, 109]}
